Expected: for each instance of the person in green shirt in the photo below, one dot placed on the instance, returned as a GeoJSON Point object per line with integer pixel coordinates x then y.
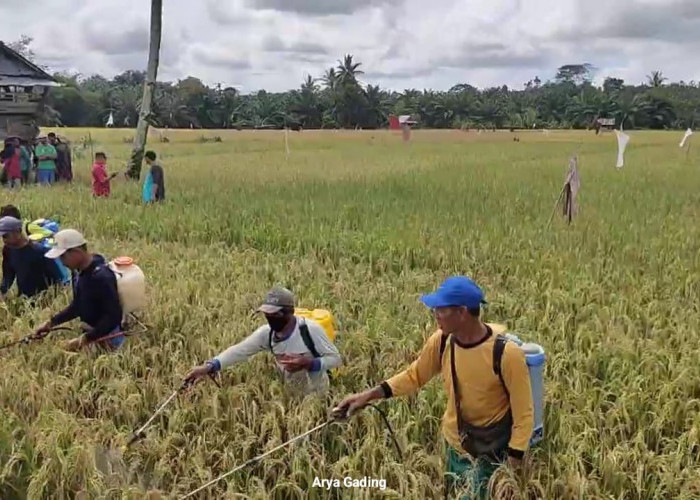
{"type": "Point", "coordinates": [26, 159]}
{"type": "Point", "coordinates": [46, 154]}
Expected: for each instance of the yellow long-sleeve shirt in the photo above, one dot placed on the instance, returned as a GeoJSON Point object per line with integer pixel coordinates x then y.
{"type": "Point", "coordinates": [483, 399]}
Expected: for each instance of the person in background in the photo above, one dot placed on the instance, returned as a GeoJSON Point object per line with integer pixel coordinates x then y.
{"type": "Point", "coordinates": [493, 402]}
{"type": "Point", "coordinates": [284, 335]}
{"type": "Point", "coordinates": [154, 184]}
{"type": "Point", "coordinates": [64, 165]}
{"type": "Point", "coordinates": [100, 179]}
{"type": "Point", "coordinates": [24, 261]}
{"type": "Point", "coordinates": [46, 156]}
{"type": "Point", "coordinates": [12, 164]}
{"type": "Point", "coordinates": [26, 161]}
{"type": "Point", "coordinates": [95, 294]}
{"type": "Point", "coordinates": [8, 211]}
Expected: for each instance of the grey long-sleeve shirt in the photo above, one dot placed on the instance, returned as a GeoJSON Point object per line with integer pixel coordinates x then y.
{"type": "Point", "coordinates": [314, 380]}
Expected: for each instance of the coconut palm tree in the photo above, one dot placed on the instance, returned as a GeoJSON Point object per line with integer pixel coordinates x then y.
{"type": "Point", "coordinates": [145, 117]}
{"type": "Point", "coordinates": [656, 79]}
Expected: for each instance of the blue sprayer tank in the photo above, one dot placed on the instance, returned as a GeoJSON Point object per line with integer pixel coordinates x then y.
{"type": "Point", "coordinates": [41, 231]}
{"type": "Point", "coordinates": [535, 358]}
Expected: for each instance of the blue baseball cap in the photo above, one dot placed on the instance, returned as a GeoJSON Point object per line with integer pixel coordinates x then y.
{"type": "Point", "coordinates": [455, 291]}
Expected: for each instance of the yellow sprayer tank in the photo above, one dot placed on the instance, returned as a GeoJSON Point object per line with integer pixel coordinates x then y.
{"type": "Point", "coordinates": [320, 316]}
{"type": "Point", "coordinates": [131, 284]}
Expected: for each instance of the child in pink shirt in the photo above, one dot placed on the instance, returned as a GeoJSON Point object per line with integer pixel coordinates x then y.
{"type": "Point", "coordinates": [100, 179]}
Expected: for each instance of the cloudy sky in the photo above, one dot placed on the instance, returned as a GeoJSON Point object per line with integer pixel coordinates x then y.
{"type": "Point", "coordinates": [273, 44]}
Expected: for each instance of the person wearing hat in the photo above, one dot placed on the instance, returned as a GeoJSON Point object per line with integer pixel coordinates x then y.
{"type": "Point", "coordinates": [95, 294]}
{"type": "Point", "coordinates": [288, 337]}
{"type": "Point", "coordinates": [464, 351]}
{"type": "Point", "coordinates": [23, 261]}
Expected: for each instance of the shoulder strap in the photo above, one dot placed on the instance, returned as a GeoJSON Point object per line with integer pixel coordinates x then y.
{"type": "Point", "coordinates": [308, 341]}
{"type": "Point", "coordinates": [443, 344]}
{"type": "Point", "coordinates": [455, 384]}
{"type": "Point", "coordinates": [499, 346]}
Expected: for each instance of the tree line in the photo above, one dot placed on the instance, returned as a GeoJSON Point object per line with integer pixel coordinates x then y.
{"type": "Point", "coordinates": [339, 99]}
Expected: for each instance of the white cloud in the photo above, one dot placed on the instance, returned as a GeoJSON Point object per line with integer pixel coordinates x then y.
{"type": "Point", "coordinates": [272, 44]}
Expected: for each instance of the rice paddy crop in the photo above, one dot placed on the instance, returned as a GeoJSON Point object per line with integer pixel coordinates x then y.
{"type": "Point", "coordinates": [362, 224]}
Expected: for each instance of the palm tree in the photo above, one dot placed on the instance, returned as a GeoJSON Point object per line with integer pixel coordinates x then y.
{"type": "Point", "coordinates": [145, 117]}
{"type": "Point", "coordinates": [347, 69]}
{"type": "Point", "coordinates": [330, 79]}
{"type": "Point", "coordinates": [656, 79]}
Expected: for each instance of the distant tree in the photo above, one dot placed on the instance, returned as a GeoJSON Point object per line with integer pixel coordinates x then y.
{"type": "Point", "coordinates": [656, 79]}
{"type": "Point", "coordinates": [575, 73]}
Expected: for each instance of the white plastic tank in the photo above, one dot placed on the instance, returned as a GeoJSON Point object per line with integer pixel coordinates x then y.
{"type": "Point", "coordinates": [131, 284]}
{"type": "Point", "coordinates": [535, 358]}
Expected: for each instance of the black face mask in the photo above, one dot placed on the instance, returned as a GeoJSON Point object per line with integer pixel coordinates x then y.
{"type": "Point", "coordinates": [277, 323]}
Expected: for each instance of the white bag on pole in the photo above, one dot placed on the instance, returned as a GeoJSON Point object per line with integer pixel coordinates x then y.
{"type": "Point", "coordinates": [622, 140]}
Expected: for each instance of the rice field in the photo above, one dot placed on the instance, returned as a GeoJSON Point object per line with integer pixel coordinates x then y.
{"type": "Point", "coordinates": [362, 224]}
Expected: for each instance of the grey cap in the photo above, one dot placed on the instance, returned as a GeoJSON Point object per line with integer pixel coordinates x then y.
{"type": "Point", "coordinates": [9, 224]}
{"type": "Point", "coordinates": [276, 299]}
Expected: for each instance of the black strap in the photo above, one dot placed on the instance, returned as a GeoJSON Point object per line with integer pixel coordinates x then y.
{"type": "Point", "coordinates": [308, 341]}
{"type": "Point", "coordinates": [455, 385]}
{"type": "Point", "coordinates": [443, 343]}
{"type": "Point", "coordinates": [499, 346]}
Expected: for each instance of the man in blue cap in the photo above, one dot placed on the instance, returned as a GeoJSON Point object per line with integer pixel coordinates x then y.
{"type": "Point", "coordinates": [24, 262]}
{"type": "Point", "coordinates": [489, 415]}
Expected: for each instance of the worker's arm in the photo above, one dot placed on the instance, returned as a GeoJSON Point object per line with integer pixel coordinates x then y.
{"type": "Point", "coordinates": [407, 382]}
{"type": "Point", "coordinates": [69, 313]}
{"type": "Point", "coordinates": [517, 380]}
{"type": "Point", "coordinates": [418, 373]}
{"type": "Point", "coordinates": [253, 344]}
{"type": "Point", "coordinates": [330, 357]}
{"type": "Point", "coordinates": [105, 287]}
{"type": "Point", "coordinates": [8, 273]}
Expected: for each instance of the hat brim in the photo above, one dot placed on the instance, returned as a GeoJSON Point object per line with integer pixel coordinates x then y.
{"type": "Point", "coordinates": [55, 253]}
{"type": "Point", "coordinates": [433, 300]}
{"type": "Point", "coordinates": [269, 309]}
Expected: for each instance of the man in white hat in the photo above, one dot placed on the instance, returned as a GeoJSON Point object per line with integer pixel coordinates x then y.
{"type": "Point", "coordinates": [95, 294]}
{"type": "Point", "coordinates": [291, 339]}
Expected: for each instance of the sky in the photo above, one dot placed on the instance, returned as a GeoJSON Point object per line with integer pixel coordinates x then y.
{"type": "Point", "coordinates": [402, 44]}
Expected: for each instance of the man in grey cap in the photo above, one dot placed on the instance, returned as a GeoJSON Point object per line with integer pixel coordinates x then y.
{"type": "Point", "coordinates": [291, 339]}
{"type": "Point", "coordinates": [24, 262]}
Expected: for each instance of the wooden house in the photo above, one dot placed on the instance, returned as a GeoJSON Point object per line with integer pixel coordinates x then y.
{"type": "Point", "coordinates": [23, 90]}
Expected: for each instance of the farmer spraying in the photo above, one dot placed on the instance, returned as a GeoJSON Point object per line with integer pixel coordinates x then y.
{"type": "Point", "coordinates": [95, 294]}
{"type": "Point", "coordinates": [292, 340]}
{"type": "Point", "coordinates": [23, 261]}
{"type": "Point", "coordinates": [494, 407]}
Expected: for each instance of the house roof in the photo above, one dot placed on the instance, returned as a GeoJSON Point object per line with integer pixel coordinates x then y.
{"type": "Point", "coordinates": [13, 66]}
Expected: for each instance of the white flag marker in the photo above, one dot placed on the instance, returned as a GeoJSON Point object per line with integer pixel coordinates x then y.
{"type": "Point", "coordinates": [687, 135]}
{"type": "Point", "coordinates": [622, 140]}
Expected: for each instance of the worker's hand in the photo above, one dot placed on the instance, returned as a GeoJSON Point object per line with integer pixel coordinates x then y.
{"type": "Point", "coordinates": [43, 330]}
{"type": "Point", "coordinates": [352, 403]}
{"type": "Point", "coordinates": [197, 373]}
{"type": "Point", "coordinates": [295, 362]}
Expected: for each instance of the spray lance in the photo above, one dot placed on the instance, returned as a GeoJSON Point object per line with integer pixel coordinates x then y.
{"type": "Point", "coordinates": [34, 337]}
{"type": "Point", "coordinates": [337, 415]}
{"type": "Point", "coordinates": [139, 434]}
